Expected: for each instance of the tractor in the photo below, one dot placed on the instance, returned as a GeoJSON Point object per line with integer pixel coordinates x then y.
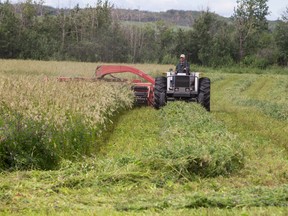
{"type": "Point", "coordinates": [157, 92]}
{"type": "Point", "coordinates": [181, 86]}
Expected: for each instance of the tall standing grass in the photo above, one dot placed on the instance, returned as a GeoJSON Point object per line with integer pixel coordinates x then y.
{"type": "Point", "coordinates": [57, 68]}
{"type": "Point", "coordinates": [67, 120]}
{"type": "Point", "coordinates": [44, 121]}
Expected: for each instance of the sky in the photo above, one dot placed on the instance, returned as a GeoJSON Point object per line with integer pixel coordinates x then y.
{"type": "Point", "coordinates": [221, 7]}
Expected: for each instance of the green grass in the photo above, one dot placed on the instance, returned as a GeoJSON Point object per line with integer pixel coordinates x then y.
{"type": "Point", "coordinates": [179, 160]}
{"type": "Point", "coordinates": [241, 69]}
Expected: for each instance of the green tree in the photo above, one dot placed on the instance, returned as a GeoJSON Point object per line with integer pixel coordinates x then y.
{"type": "Point", "coordinates": [90, 34]}
{"type": "Point", "coordinates": [181, 43]}
{"type": "Point", "coordinates": [9, 31]}
{"type": "Point", "coordinates": [165, 41]}
{"type": "Point", "coordinates": [29, 36]}
{"type": "Point", "coordinates": [250, 21]}
{"type": "Point", "coordinates": [48, 38]}
{"type": "Point", "coordinates": [281, 35]}
{"type": "Point", "coordinates": [210, 41]}
{"type": "Point", "coordinates": [149, 47]}
{"type": "Point", "coordinates": [28, 14]}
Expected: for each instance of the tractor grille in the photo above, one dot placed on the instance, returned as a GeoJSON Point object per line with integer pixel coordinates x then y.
{"type": "Point", "coordinates": [182, 81]}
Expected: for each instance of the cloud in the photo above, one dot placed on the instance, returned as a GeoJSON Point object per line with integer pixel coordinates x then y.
{"type": "Point", "coordinates": [223, 7]}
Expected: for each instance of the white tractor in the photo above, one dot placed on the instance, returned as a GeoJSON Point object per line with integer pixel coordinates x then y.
{"type": "Point", "coordinates": [181, 86]}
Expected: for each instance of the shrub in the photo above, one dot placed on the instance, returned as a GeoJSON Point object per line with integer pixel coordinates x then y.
{"type": "Point", "coordinates": [256, 62]}
{"type": "Point", "coordinates": [168, 58]}
{"type": "Point", "coordinates": [25, 144]}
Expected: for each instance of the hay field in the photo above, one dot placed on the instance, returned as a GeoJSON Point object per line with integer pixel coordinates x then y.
{"type": "Point", "coordinates": [70, 148]}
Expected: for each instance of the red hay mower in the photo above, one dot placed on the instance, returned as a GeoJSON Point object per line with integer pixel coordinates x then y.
{"type": "Point", "coordinates": [156, 91]}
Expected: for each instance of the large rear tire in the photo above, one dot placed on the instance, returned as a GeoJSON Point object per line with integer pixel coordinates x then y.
{"type": "Point", "coordinates": [160, 98]}
{"type": "Point", "coordinates": [204, 93]}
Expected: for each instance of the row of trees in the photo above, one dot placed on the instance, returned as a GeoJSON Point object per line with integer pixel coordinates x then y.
{"type": "Point", "coordinates": [92, 34]}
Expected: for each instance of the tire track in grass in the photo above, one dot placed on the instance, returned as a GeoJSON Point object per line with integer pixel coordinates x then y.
{"type": "Point", "coordinates": [265, 137]}
{"type": "Point", "coordinates": [269, 88]}
{"type": "Point", "coordinates": [219, 89]}
{"type": "Point", "coordinates": [233, 102]}
{"type": "Point", "coordinates": [268, 95]}
{"type": "Point", "coordinates": [259, 87]}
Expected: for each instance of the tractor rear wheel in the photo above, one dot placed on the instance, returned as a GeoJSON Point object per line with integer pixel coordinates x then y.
{"type": "Point", "coordinates": [204, 93]}
{"type": "Point", "coordinates": [160, 89]}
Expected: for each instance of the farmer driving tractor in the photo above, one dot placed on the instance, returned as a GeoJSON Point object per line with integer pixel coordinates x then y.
{"type": "Point", "coordinates": [183, 65]}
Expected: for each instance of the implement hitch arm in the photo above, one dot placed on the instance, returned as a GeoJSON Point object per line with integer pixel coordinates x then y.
{"type": "Point", "coordinates": [103, 70]}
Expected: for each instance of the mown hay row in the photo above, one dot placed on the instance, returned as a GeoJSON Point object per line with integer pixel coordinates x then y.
{"type": "Point", "coordinates": [193, 143]}
{"type": "Point", "coordinates": [187, 143]}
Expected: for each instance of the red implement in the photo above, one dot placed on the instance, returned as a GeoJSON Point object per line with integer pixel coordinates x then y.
{"type": "Point", "coordinates": [144, 91]}
{"type": "Point", "coordinates": [103, 70]}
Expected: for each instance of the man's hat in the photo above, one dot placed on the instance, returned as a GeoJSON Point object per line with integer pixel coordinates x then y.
{"type": "Point", "coordinates": [182, 56]}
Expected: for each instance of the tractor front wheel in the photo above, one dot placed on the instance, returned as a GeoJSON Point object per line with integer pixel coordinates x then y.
{"type": "Point", "coordinates": [160, 89]}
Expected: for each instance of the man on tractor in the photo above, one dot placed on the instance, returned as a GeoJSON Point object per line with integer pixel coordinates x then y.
{"type": "Point", "coordinates": [183, 65]}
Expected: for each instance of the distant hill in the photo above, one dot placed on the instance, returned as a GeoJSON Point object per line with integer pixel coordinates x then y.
{"type": "Point", "coordinates": [174, 17]}
{"type": "Point", "coordinates": [179, 18]}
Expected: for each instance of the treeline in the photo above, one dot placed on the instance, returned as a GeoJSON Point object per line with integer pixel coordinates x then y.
{"type": "Point", "coordinates": [95, 34]}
